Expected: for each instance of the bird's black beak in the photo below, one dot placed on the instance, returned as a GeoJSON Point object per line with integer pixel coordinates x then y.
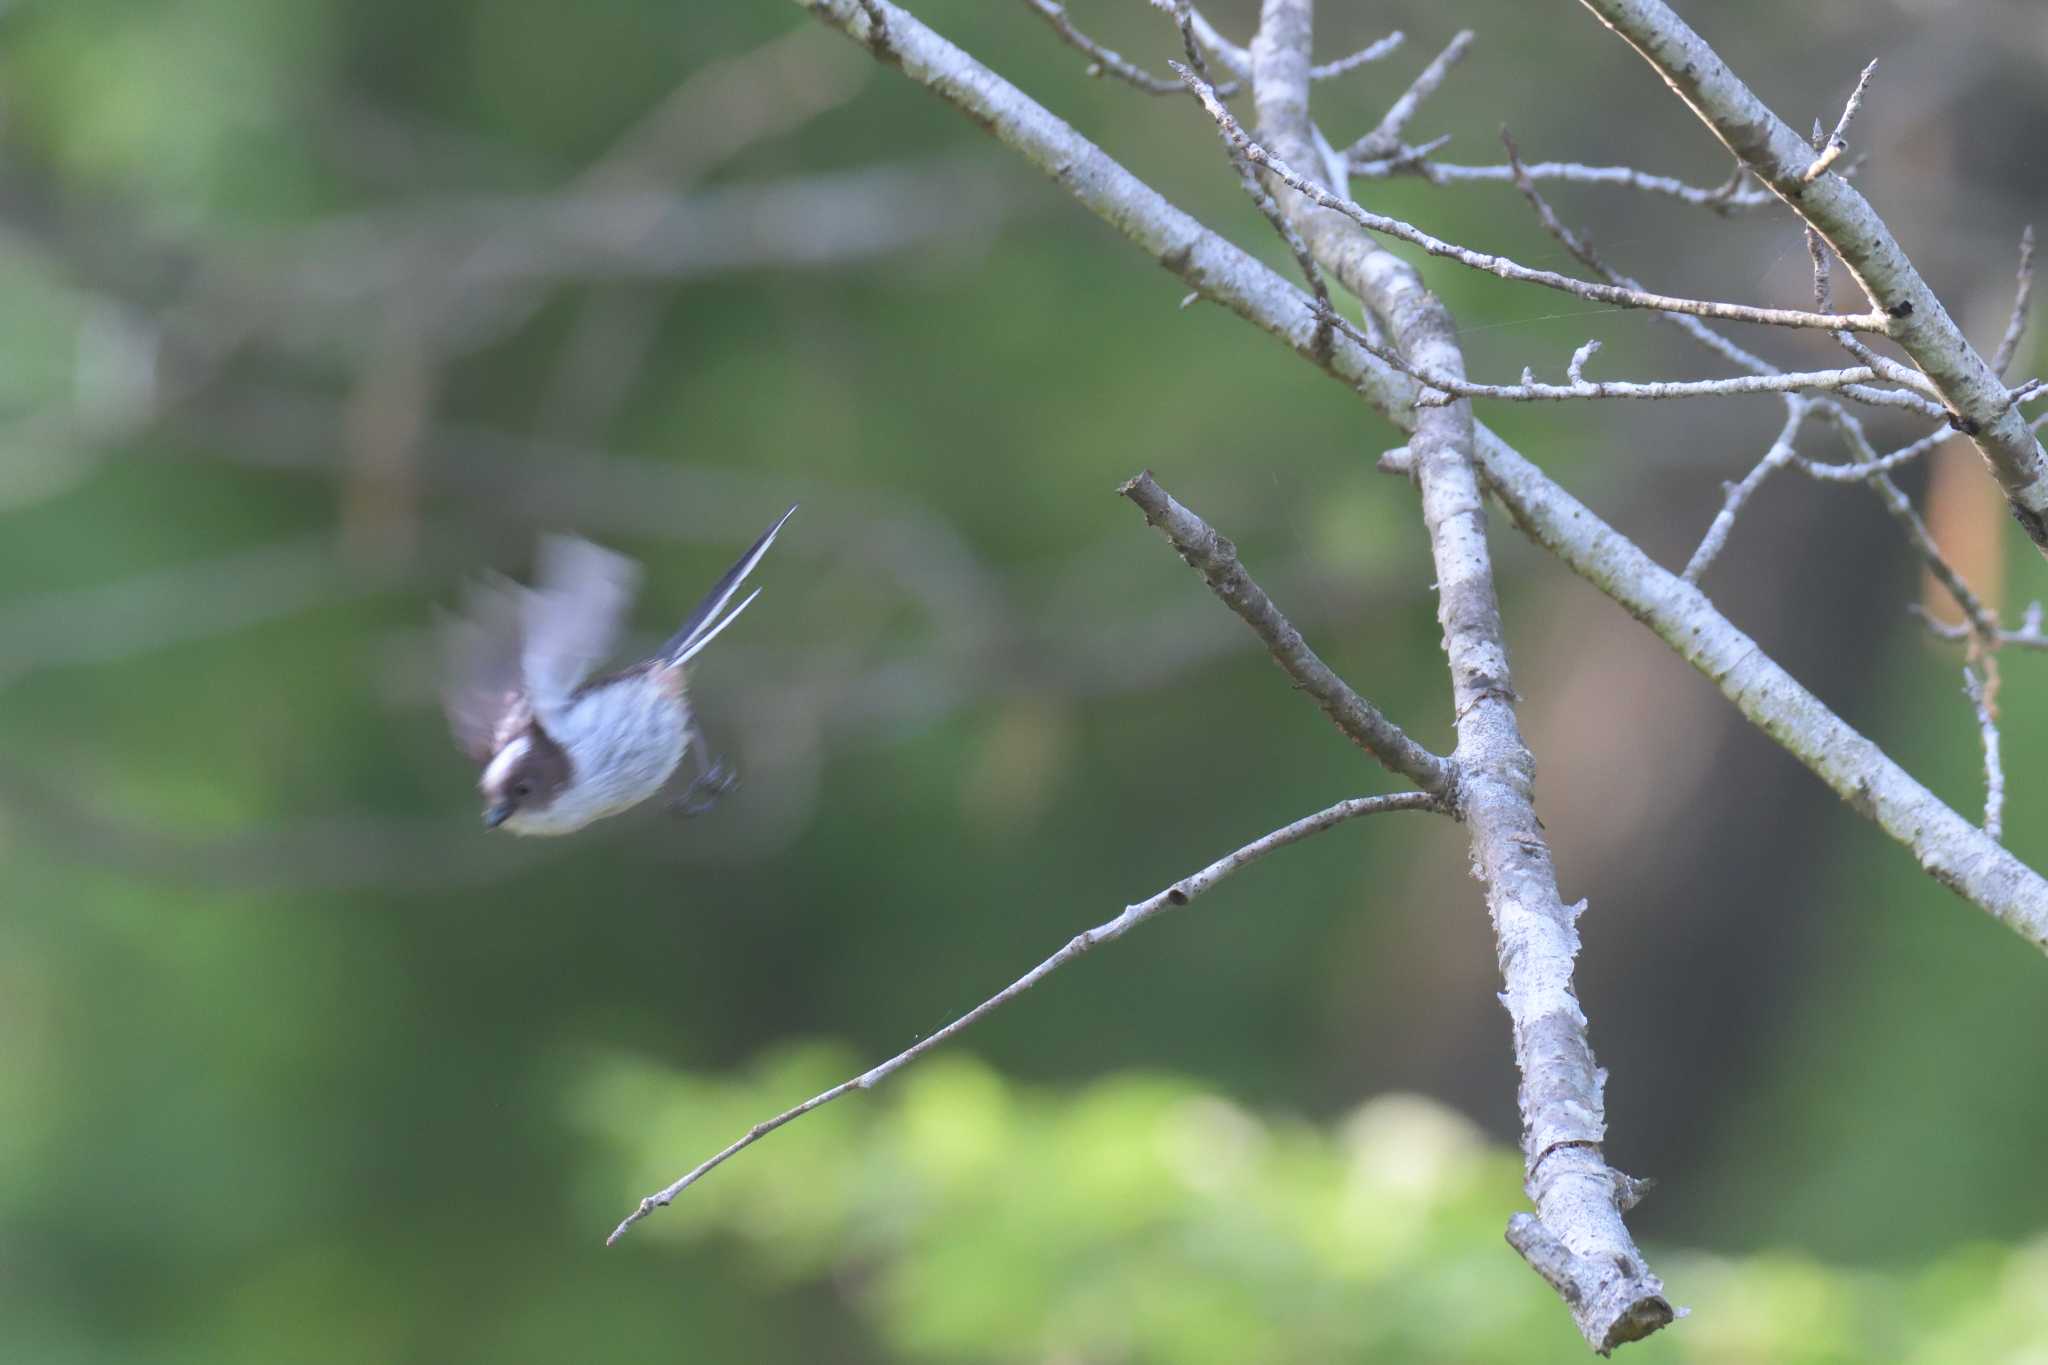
{"type": "Point", "coordinates": [497, 815]}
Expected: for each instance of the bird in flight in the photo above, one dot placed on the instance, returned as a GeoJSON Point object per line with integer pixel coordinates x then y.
{"type": "Point", "coordinates": [559, 748]}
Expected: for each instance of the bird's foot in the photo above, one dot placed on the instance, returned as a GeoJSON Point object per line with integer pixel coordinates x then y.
{"type": "Point", "coordinates": [705, 790]}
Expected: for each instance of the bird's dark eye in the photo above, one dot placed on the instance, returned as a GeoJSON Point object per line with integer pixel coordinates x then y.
{"type": "Point", "coordinates": [522, 790]}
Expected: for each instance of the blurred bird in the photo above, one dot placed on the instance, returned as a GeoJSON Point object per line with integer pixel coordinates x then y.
{"type": "Point", "coordinates": [560, 749]}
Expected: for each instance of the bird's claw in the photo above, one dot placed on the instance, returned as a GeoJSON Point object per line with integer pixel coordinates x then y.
{"type": "Point", "coordinates": [705, 790]}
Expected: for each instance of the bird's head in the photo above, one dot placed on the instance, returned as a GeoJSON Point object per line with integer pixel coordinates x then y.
{"type": "Point", "coordinates": [524, 777]}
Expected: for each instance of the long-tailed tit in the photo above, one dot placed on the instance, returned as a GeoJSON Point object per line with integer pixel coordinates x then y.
{"type": "Point", "coordinates": [558, 747]}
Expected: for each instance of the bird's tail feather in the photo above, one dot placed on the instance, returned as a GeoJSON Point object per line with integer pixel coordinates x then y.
{"type": "Point", "coordinates": [702, 626]}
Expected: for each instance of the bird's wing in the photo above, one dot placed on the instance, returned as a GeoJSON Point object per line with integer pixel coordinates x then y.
{"type": "Point", "coordinates": [481, 688]}
{"type": "Point", "coordinates": [701, 625]}
{"type": "Point", "coordinates": [571, 620]}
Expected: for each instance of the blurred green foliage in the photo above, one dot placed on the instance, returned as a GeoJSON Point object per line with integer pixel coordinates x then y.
{"type": "Point", "coordinates": [964, 1218]}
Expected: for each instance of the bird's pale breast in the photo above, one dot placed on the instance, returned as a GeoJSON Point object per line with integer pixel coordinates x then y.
{"type": "Point", "coordinates": [625, 738]}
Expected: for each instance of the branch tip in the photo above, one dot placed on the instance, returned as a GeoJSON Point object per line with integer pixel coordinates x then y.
{"type": "Point", "coordinates": [1178, 894]}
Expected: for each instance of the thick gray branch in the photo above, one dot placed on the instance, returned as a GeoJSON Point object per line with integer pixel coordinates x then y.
{"type": "Point", "coordinates": [1948, 847]}
{"type": "Point", "coordinates": [1579, 1199]}
{"type": "Point", "coordinates": [1945, 844]}
{"type": "Point", "coordinates": [1215, 558]}
{"type": "Point", "coordinates": [1779, 157]}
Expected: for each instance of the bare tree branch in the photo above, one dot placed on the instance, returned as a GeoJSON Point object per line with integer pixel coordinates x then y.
{"type": "Point", "coordinates": [1231, 54]}
{"type": "Point", "coordinates": [1719, 198]}
{"type": "Point", "coordinates": [1184, 16]}
{"type": "Point", "coordinates": [1179, 894]}
{"type": "Point", "coordinates": [1777, 457]}
{"type": "Point", "coordinates": [1979, 693]}
{"type": "Point", "coordinates": [1371, 52]}
{"type": "Point", "coordinates": [1863, 467]}
{"type": "Point", "coordinates": [1778, 157]}
{"type": "Point", "coordinates": [1838, 142]}
{"type": "Point", "coordinates": [1579, 1199]}
{"type": "Point", "coordinates": [1949, 848]}
{"type": "Point", "coordinates": [1983, 623]}
{"type": "Point", "coordinates": [1385, 138]}
{"type": "Point", "coordinates": [2023, 293]}
{"type": "Point", "coordinates": [1530, 391]}
{"type": "Point", "coordinates": [2028, 636]}
{"type": "Point", "coordinates": [1215, 558]}
{"type": "Point", "coordinates": [1102, 60]}
{"type": "Point", "coordinates": [1582, 251]}
{"type": "Point", "coordinates": [1284, 171]}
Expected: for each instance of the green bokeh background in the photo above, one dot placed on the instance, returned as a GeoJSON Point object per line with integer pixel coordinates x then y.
{"type": "Point", "coordinates": [300, 1064]}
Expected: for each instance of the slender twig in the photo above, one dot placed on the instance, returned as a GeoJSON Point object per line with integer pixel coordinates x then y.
{"type": "Point", "coordinates": [1385, 138]}
{"type": "Point", "coordinates": [1777, 457]}
{"type": "Point", "coordinates": [1106, 61]}
{"type": "Point", "coordinates": [1582, 251]}
{"type": "Point", "coordinates": [1230, 54]}
{"type": "Point", "coordinates": [1884, 367]}
{"type": "Point", "coordinates": [1913, 392]}
{"type": "Point", "coordinates": [1409, 159]}
{"type": "Point", "coordinates": [1239, 59]}
{"type": "Point", "coordinates": [1980, 624]}
{"type": "Point", "coordinates": [1710, 339]}
{"type": "Point", "coordinates": [1764, 377]}
{"type": "Point", "coordinates": [1174, 896]}
{"type": "Point", "coordinates": [2023, 293]}
{"type": "Point", "coordinates": [1184, 15]}
{"type": "Point", "coordinates": [1500, 265]}
{"type": "Point", "coordinates": [1215, 558]}
{"type": "Point", "coordinates": [1979, 693]}
{"type": "Point", "coordinates": [1415, 160]}
{"type": "Point", "coordinates": [1862, 469]}
{"type": "Point", "coordinates": [1530, 391]}
{"type": "Point", "coordinates": [2028, 636]}
{"type": "Point", "coordinates": [1983, 623]}
{"type": "Point", "coordinates": [1371, 52]}
{"type": "Point", "coordinates": [1778, 156]}
{"type": "Point", "coordinates": [1838, 142]}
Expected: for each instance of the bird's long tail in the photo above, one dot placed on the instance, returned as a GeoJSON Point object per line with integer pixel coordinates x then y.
{"type": "Point", "coordinates": [703, 625]}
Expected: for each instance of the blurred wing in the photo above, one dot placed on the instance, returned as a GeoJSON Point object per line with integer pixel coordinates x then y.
{"type": "Point", "coordinates": [481, 686]}
{"type": "Point", "coordinates": [571, 620]}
